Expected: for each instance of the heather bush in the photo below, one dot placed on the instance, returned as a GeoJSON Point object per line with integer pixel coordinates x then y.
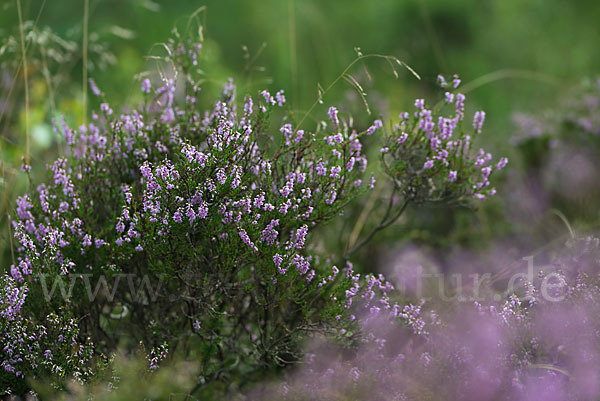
{"type": "Point", "coordinates": [539, 342]}
{"type": "Point", "coordinates": [560, 147]}
{"type": "Point", "coordinates": [49, 345]}
{"type": "Point", "coordinates": [186, 233]}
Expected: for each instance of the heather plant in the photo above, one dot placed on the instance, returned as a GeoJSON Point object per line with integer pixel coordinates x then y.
{"type": "Point", "coordinates": [428, 152]}
{"type": "Point", "coordinates": [37, 64]}
{"type": "Point", "coordinates": [560, 147]}
{"type": "Point", "coordinates": [538, 342]}
{"type": "Point", "coordinates": [428, 158]}
{"type": "Point", "coordinates": [50, 345]}
{"type": "Point", "coordinates": [187, 233]}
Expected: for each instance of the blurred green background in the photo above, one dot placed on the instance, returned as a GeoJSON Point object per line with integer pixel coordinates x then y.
{"type": "Point", "coordinates": [514, 55]}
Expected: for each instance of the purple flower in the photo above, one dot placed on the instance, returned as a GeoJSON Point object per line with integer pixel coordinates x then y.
{"type": "Point", "coordinates": [376, 125]}
{"type": "Point", "coordinates": [202, 210]}
{"type": "Point", "coordinates": [269, 234]}
{"type": "Point", "coordinates": [402, 138]}
{"type": "Point", "coordinates": [302, 264]}
{"type": "Point", "coordinates": [442, 81]}
{"type": "Point", "coordinates": [106, 109]}
{"type": "Point", "coordinates": [301, 236]}
{"type": "Point", "coordinates": [478, 121]}
{"type": "Point", "coordinates": [287, 132]}
{"type": "Point", "coordinates": [93, 87]}
{"type": "Point", "coordinates": [237, 177]}
{"type": "Point", "coordinates": [460, 105]}
{"type": "Point", "coordinates": [246, 239]}
{"type": "Point", "coordinates": [168, 116]}
{"type": "Point", "coordinates": [288, 188]}
{"type": "Point", "coordinates": [178, 216]}
{"type": "Point", "coordinates": [354, 374]}
{"type": "Point", "coordinates": [268, 98]}
{"type": "Point", "coordinates": [280, 98]}
{"type": "Point", "coordinates": [502, 163]}
{"type": "Point", "coordinates": [23, 206]}
{"type": "Point", "coordinates": [221, 176]}
{"type": "Point", "coordinates": [456, 81]}
{"type": "Point", "coordinates": [350, 164]}
{"type": "Point", "coordinates": [485, 172]}
{"type": "Point", "coordinates": [373, 181]}
{"type": "Point", "coordinates": [428, 164]}
{"type": "Point", "coordinates": [87, 240]}
{"type": "Point", "coordinates": [190, 213]}
{"type": "Point", "coordinates": [26, 168]}
{"type": "Point", "coordinates": [248, 105]}
{"type": "Point", "coordinates": [146, 86]}
{"type": "Point", "coordinates": [321, 169]}
{"type": "Point", "coordinates": [335, 171]}
{"type": "Point", "coordinates": [333, 115]}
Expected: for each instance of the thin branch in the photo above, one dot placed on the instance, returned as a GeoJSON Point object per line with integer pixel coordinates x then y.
{"type": "Point", "coordinates": [362, 218]}
{"type": "Point", "coordinates": [383, 224]}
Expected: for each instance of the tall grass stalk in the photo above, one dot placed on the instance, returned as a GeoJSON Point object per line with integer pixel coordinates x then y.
{"type": "Point", "coordinates": [293, 51]}
{"type": "Point", "coordinates": [86, 12]}
{"type": "Point", "coordinates": [26, 81]}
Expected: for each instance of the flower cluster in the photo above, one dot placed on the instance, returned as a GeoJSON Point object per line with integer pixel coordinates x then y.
{"type": "Point", "coordinates": [207, 215]}
{"type": "Point", "coordinates": [526, 346]}
{"type": "Point", "coordinates": [560, 148]}
{"type": "Point", "coordinates": [429, 154]}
